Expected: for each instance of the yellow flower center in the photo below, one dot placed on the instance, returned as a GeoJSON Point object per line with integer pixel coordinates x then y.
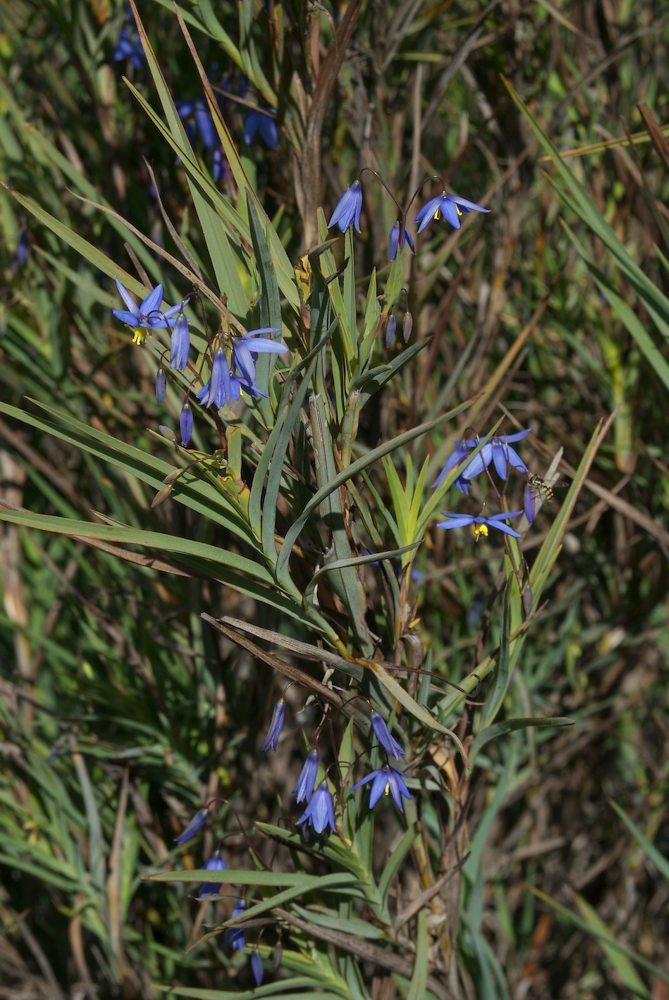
{"type": "Point", "coordinates": [138, 336]}
{"type": "Point", "coordinates": [386, 790]}
{"type": "Point", "coordinates": [479, 530]}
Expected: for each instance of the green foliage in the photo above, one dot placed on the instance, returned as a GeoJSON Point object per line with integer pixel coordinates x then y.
{"type": "Point", "coordinates": [158, 596]}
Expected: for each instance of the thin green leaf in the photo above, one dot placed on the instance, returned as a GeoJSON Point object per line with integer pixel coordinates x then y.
{"type": "Point", "coordinates": [511, 726]}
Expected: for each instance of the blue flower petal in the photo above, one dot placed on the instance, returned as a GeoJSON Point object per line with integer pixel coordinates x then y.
{"type": "Point", "coordinates": [127, 297]}
{"type": "Point", "coordinates": [130, 319]}
{"type": "Point", "coordinates": [152, 301]}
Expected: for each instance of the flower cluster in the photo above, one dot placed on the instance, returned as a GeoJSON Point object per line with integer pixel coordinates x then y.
{"type": "Point", "coordinates": [386, 780]}
{"type": "Point", "coordinates": [129, 47]}
{"type": "Point", "coordinates": [228, 376]}
{"type": "Point", "coordinates": [198, 122]}
{"type": "Point", "coordinates": [234, 937]}
{"type": "Point", "coordinates": [498, 454]}
{"type": "Point", "coordinates": [451, 207]}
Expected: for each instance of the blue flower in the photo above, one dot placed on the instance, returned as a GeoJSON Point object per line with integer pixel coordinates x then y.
{"type": "Point", "coordinates": [397, 237]}
{"type": "Point", "coordinates": [198, 120]}
{"type": "Point", "coordinates": [146, 315]}
{"type": "Point", "coordinates": [480, 524]}
{"type": "Point", "coordinates": [186, 424]}
{"type": "Point", "coordinates": [348, 208]}
{"type": "Point", "coordinates": [385, 737]}
{"type": "Point", "coordinates": [275, 726]}
{"type": "Point", "coordinates": [247, 347]}
{"type": "Point", "coordinates": [213, 864]}
{"type": "Point", "coordinates": [235, 936]}
{"type": "Point", "coordinates": [261, 123]}
{"type": "Point", "coordinates": [180, 345]}
{"type": "Point", "coordinates": [219, 164]}
{"type": "Point", "coordinates": [319, 813]}
{"type": "Point", "coordinates": [304, 788]}
{"type": "Point", "coordinates": [21, 251]}
{"type": "Point", "coordinates": [257, 968]}
{"type": "Point", "coordinates": [128, 46]}
{"type": "Point", "coordinates": [451, 206]}
{"type": "Point", "coordinates": [497, 451]}
{"type": "Point", "coordinates": [219, 389]}
{"type": "Point", "coordinates": [385, 781]}
{"type": "Point", "coordinates": [462, 450]}
{"type": "Point", "coordinates": [529, 503]}
{"type": "Point", "coordinates": [503, 455]}
{"type": "Point", "coordinates": [194, 827]}
{"type": "Point", "coordinates": [161, 384]}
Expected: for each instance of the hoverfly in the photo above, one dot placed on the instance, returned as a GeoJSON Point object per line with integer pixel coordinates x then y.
{"type": "Point", "coordinates": [541, 488]}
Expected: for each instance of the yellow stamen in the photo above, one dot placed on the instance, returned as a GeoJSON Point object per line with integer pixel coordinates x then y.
{"type": "Point", "coordinates": [386, 790]}
{"type": "Point", "coordinates": [138, 336]}
{"type": "Point", "coordinates": [478, 530]}
{"type": "Point", "coordinates": [437, 214]}
{"type": "Point", "coordinates": [457, 209]}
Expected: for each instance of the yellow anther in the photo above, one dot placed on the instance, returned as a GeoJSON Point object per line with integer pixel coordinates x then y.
{"type": "Point", "coordinates": [138, 336]}
{"type": "Point", "coordinates": [386, 790]}
{"type": "Point", "coordinates": [478, 530]}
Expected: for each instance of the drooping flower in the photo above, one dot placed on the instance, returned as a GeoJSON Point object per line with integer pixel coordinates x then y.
{"type": "Point", "coordinates": [275, 726]}
{"type": "Point", "coordinates": [220, 387]}
{"type": "Point", "coordinates": [146, 315]}
{"type": "Point", "coordinates": [235, 937]}
{"type": "Point", "coordinates": [530, 503]}
{"type": "Point", "coordinates": [304, 788]}
{"type": "Point", "coordinates": [219, 166]}
{"type": "Point", "coordinates": [257, 968]}
{"type": "Point", "coordinates": [397, 237]}
{"type": "Point", "coordinates": [161, 384]}
{"type": "Point", "coordinates": [128, 46]}
{"type": "Point", "coordinates": [246, 348]}
{"type": "Point", "coordinates": [180, 344]}
{"type": "Point", "coordinates": [348, 208]}
{"type": "Point", "coordinates": [385, 781]}
{"type": "Point", "coordinates": [480, 524]}
{"type": "Point", "coordinates": [186, 424]}
{"type": "Point", "coordinates": [198, 122]}
{"type": "Point", "coordinates": [385, 737]}
{"type": "Point", "coordinates": [262, 123]}
{"type": "Point", "coordinates": [213, 864]}
{"type": "Point", "coordinates": [451, 206]}
{"type": "Point", "coordinates": [462, 450]}
{"type": "Point", "coordinates": [21, 251]}
{"type": "Point", "coordinates": [319, 814]}
{"type": "Point", "coordinates": [391, 327]}
{"type": "Point", "coordinates": [194, 827]}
